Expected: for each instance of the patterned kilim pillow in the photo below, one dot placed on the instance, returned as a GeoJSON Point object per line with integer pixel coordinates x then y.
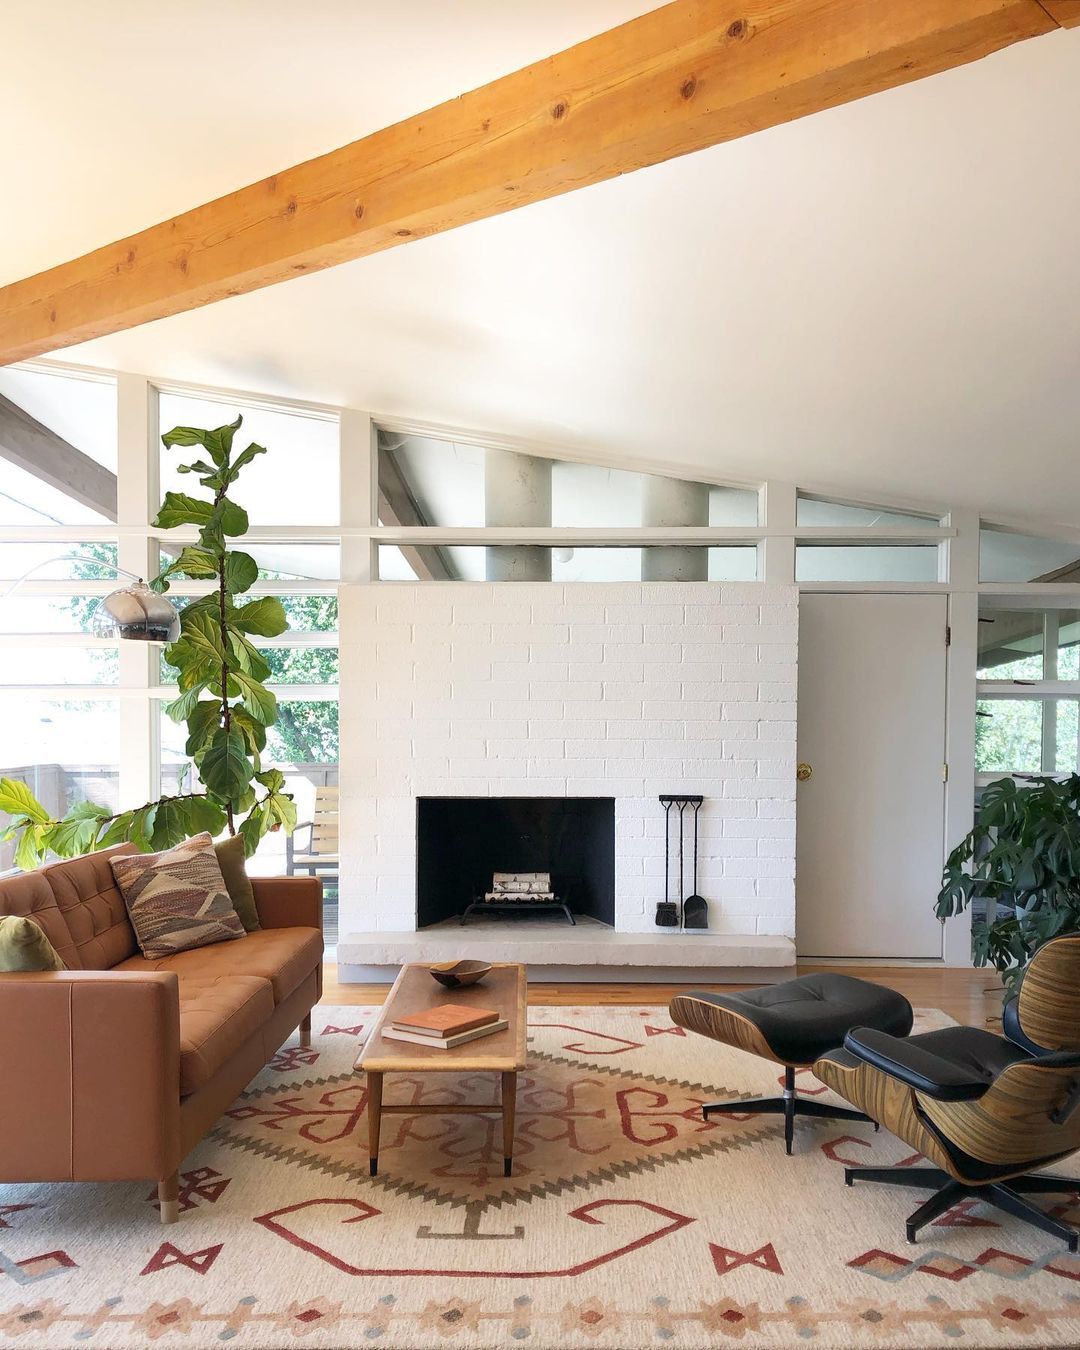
{"type": "Point", "coordinates": [177, 899]}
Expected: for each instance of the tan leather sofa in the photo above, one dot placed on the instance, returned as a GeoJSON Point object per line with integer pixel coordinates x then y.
{"type": "Point", "coordinates": [114, 1069]}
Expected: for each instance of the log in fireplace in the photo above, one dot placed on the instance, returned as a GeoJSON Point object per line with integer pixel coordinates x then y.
{"type": "Point", "coordinates": [462, 842]}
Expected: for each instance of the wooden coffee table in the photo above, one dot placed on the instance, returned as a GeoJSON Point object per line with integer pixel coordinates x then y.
{"type": "Point", "coordinates": [503, 1052]}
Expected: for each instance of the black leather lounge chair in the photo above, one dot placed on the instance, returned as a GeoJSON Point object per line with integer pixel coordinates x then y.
{"type": "Point", "coordinates": [986, 1110]}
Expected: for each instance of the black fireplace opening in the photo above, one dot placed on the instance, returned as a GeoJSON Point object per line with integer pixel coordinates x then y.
{"type": "Point", "coordinates": [463, 841]}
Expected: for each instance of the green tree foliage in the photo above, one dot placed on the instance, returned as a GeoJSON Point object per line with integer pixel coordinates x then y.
{"type": "Point", "coordinates": [221, 674]}
{"type": "Point", "coordinates": [1022, 860]}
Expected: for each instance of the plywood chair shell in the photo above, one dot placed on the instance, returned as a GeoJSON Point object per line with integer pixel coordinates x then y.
{"type": "Point", "coordinates": [1011, 1123]}
{"type": "Point", "coordinates": [720, 1024]}
{"type": "Point", "coordinates": [1049, 1001]}
{"type": "Point", "coordinates": [884, 1099]}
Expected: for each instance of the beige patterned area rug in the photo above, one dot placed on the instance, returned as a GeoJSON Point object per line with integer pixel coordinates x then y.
{"type": "Point", "coordinates": [628, 1221]}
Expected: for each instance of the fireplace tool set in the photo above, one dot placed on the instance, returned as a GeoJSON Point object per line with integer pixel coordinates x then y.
{"type": "Point", "coordinates": [693, 911]}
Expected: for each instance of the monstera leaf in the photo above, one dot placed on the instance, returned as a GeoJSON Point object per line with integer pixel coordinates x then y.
{"type": "Point", "coordinates": [1021, 863]}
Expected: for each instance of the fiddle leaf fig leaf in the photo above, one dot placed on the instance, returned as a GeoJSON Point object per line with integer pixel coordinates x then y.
{"type": "Point", "coordinates": [258, 700]}
{"type": "Point", "coordinates": [116, 831]}
{"type": "Point", "coordinates": [282, 809]}
{"type": "Point", "coordinates": [251, 729]}
{"type": "Point", "coordinates": [204, 635]}
{"type": "Point", "coordinates": [180, 709]}
{"type": "Point", "coordinates": [32, 847]}
{"type": "Point", "coordinates": [225, 767]}
{"type": "Point", "coordinates": [232, 518]}
{"type": "Point", "coordinates": [203, 814]}
{"type": "Point", "coordinates": [180, 509]}
{"type": "Point", "coordinates": [241, 572]}
{"type": "Point", "coordinates": [202, 721]}
{"type": "Point", "coordinates": [169, 826]}
{"type": "Point", "coordinates": [248, 657]}
{"type": "Point", "coordinates": [218, 441]}
{"type": "Point", "coordinates": [265, 617]}
{"type": "Point", "coordinates": [193, 562]}
{"type": "Point", "coordinates": [142, 826]}
{"type": "Point", "coordinates": [16, 799]}
{"type": "Point", "coordinates": [253, 828]}
{"type": "Point", "coordinates": [78, 830]}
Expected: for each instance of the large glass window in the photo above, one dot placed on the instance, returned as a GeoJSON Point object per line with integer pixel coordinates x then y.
{"type": "Point", "coordinates": [79, 411]}
{"type": "Point", "coordinates": [813, 511]}
{"type": "Point", "coordinates": [66, 751]}
{"type": "Point", "coordinates": [424, 480]}
{"type": "Point", "coordinates": [1026, 735]}
{"type": "Point", "coordinates": [1007, 556]}
{"type": "Point", "coordinates": [304, 743]}
{"type": "Point", "coordinates": [735, 562]}
{"type": "Point", "coordinates": [296, 482]}
{"type": "Point", "coordinates": [866, 562]}
{"type": "Point", "coordinates": [1029, 644]}
{"type": "Point", "coordinates": [1026, 721]}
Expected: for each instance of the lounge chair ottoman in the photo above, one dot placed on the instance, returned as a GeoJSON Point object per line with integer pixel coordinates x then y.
{"type": "Point", "coordinates": [793, 1024]}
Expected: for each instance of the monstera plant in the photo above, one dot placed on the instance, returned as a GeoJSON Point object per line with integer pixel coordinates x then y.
{"type": "Point", "coordinates": [222, 695]}
{"type": "Point", "coordinates": [1022, 860]}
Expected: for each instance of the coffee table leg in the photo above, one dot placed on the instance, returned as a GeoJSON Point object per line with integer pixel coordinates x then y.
{"type": "Point", "coordinates": [374, 1110]}
{"type": "Point", "coordinates": [509, 1102]}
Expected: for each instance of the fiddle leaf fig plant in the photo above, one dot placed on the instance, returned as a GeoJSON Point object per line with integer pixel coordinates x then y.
{"type": "Point", "coordinates": [1022, 860]}
{"type": "Point", "coordinates": [222, 695]}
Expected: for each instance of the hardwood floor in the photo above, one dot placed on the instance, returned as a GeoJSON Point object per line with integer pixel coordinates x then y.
{"type": "Point", "coordinates": [972, 997]}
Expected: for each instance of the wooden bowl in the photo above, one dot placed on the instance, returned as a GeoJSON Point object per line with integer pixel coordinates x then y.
{"type": "Point", "coordinates": [457, 974]}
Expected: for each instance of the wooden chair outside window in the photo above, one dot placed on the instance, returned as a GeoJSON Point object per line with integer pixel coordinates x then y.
{"type": "Point", "coordinates": [317, 855]}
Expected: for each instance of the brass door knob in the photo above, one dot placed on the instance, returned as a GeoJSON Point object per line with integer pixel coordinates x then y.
{"type": "Point", "coordinates": [804, 771]}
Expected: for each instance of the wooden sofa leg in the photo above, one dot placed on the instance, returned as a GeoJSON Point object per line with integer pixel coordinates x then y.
{"type": "Point", "coordinates": [169, 1198]}
{"type": "Point", "coordinates": [305, 1032]}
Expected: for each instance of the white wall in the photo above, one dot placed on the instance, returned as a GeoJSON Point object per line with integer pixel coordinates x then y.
{"type": "Point", "coordinates": [622, 689]}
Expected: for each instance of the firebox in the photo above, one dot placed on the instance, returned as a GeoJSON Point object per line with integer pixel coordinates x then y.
{"type": "Point", "coordinates": [462, 842]}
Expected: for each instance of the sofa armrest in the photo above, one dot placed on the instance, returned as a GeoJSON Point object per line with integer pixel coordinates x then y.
{"type": "Point", "coordinates": [289, 902]}
{"type": "Point", "coordinates": [903, 1058]}
{"type": "Point", "coordinates": [90, 1067]}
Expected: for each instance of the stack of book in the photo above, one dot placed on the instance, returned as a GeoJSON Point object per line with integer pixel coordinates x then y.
{"type": "Point", "coordinates": [447, 1025]}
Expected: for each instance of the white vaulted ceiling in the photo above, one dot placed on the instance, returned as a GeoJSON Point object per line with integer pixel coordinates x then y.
{"type": "Point", "coordinates": [883, 299]}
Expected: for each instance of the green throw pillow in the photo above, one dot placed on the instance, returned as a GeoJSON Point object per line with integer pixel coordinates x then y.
{"type": "Point", "coordinates": [230, 856]}
{"type": "Point", "coordinates": [24, 947]}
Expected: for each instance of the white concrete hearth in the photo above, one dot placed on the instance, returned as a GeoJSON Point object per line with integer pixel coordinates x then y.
{"type": "Point", "coordinates": [616, 690]}
{"type": "Point", "coordinates": [587, 952]}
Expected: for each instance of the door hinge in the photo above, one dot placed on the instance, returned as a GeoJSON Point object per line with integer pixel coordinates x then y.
{"type": "Point", "coordinates": [948, 635]}
{"type": "Point", "coordinates": [944, 773]}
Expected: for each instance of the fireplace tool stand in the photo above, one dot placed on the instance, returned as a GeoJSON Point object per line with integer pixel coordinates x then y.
{"type": "Point", "coordinates": [669, 913]}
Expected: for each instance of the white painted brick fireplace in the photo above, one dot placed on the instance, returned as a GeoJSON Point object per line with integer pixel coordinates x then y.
{"type": "Point", "coordinates": [623, 690]}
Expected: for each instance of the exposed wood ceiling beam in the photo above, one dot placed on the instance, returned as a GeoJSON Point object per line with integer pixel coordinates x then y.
{"type": "Point", "coordinates": [1066, 13]}
{"type": "Point", "coordinates": [1070, 572]}
{"type": "Point", "coordinates": [687, 76]}
{"type": "Point", "coordinates": [398, 506]}
{"type": "Point", "coordinates": [38, 450]}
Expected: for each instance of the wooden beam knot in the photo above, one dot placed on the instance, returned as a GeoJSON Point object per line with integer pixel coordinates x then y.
{"type": "Point", "coordinates": [559, 110]}
{"type": "Point", "coordinates": [738, 29]}
{"type": "Point", "coordinates": [688, 88]}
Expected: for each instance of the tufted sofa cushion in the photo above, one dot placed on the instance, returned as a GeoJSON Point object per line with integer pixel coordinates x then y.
{"type": "Point", "coordinates": [282, 956]}
{"type": "Point", "coordinates": [93, 909]}
{"type": "Point", "coordinates": [31, 897]}
{"type": "Point", "coordinates": [218, 1016]}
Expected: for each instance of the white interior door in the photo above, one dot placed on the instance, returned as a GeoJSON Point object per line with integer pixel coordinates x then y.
{"type": "Point", "coordinates": [871, 817]}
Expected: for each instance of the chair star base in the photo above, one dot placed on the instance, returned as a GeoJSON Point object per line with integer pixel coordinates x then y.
{"type": "Point", "coordinates": [1004, 1196]}
{"type": "Point", "coordinates": [789, 1106]}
